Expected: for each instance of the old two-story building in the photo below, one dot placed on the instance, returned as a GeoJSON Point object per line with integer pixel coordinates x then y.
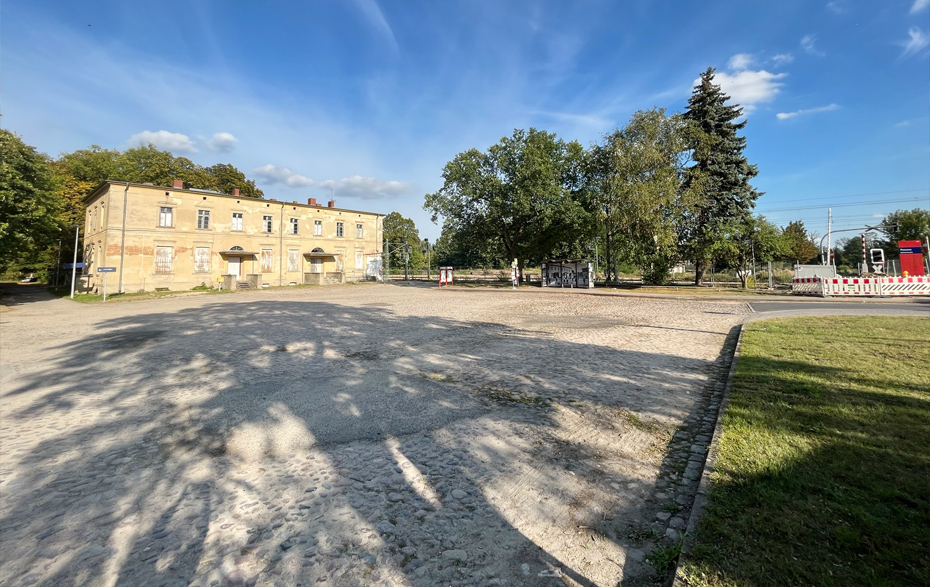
{"type": "Point", "coordinates": [176, 238]}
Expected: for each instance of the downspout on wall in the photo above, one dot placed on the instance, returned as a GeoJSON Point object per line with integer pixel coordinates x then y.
{"type": "Point", "coordinates": [122, 241]}
{"type": "Point", "coordinates": [281, 249]}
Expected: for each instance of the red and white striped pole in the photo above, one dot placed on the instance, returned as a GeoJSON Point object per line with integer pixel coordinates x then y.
{"type": "Point", "coordinates": [865, 263]}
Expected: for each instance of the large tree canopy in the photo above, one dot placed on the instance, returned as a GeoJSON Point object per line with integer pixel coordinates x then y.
{"type": "Point", "coordinates": [403, 238]}
{"type": "Point", "coordinates": [637, 182]}
{"type": "Point", "coordinates": [721, 172]}
{"type": "Point", "coordinates": [29, 202]}
{"type": "Point", "coordinates": [523, 191]}
{"type": "Point", "coordinates": [903, 225]}
{"type": "Point", "coordinates": [797, 244]}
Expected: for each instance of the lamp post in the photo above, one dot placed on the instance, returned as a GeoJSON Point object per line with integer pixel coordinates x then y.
{"type": "Point", "coordinates": [428, 260]}
{"type": "Point", "coordinates": [77, 232]}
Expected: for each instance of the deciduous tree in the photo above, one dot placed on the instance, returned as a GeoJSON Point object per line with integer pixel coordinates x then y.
{"type": "Point", "coordinates": [522, 190]}
{"type": "Point", "coordinates": [29, 202]}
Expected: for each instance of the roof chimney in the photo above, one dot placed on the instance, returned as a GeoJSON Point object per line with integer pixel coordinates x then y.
{"type": "Point", "coordinates": [311, 201]}
{"type": "Point", "coordinates": [178, 184]}
{"type": "Point", "coordinates": [235, 191]}
{"type": "Point", "coordinates": [273, 200]}
{"type": "Point", "coordinates": [332, 204]}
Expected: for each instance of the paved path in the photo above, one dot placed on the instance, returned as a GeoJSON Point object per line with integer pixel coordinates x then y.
{"type": "Point", "coordinates": [356, 435]}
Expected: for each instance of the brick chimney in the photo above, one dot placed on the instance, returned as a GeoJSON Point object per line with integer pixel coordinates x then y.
{"type": "Point", "coordinates": [273, 200]}
{"type": "Point", "coordinates": [178, 184]}
{"type": "Point", "coordinates": [332, 204]}
{"type": "Point", "coordinates": [235, 191]}
{"type": "Point", "coordinates": [311, 201]}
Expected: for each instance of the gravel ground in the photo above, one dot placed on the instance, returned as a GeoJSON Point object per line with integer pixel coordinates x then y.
{"type": "Point", "coordinates": [353, 435]}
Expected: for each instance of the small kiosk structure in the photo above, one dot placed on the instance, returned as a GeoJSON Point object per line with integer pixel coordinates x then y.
{"type": "Point", "coordinates": [568, 273]}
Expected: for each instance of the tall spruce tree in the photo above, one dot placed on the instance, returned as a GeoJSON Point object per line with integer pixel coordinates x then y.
{"type": "Point", "coordinates": [720, 175]}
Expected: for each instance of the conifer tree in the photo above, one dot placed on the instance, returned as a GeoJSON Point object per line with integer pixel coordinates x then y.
{"type": "Point", "coordinates": [720, 175]}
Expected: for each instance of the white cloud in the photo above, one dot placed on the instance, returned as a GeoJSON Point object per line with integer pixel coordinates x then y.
{"type": "Point", "coordinates": [168, 141]}
{"type": "Point", "coordinates": [740, 61]}
{"type": "Point", "coordinates": [367, 188]}
{"type": "Point", "coordinates": [808, 43]}
{"type": "Point", "coordinates": [222, 142]}
{"type": "Point", "coordinates": [919, 5]}
{"type": "Point", "coordinates": [786, 115]}
{"type": "Point", "coordinates": [917, 42]}
{"type": "Point", "coordinates": [902, 124]}
{"type": "Point", "coordinates": [274, 174]}
{"type": "Point", "coordinates": [748, 88]}
{"type": "Point", "coordinates": [782, 59]}
{"type": "Point", "coordinates": [838, 7]}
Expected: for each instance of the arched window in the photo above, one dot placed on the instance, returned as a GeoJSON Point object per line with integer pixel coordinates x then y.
{"type": "Point", "coordinates": [236, 248]}
{"type": "Point", "coordinates": [317, 250]}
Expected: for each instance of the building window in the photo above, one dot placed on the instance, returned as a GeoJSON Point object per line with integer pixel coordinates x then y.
{"type": "Point", "coordinates": [359, 230]}
{"type": "Point", "coordinates": [165, 217]}
{"type": "Point", "coordinates": [164, 259]}
{"type": "Point", "coordinates": [203, 219]}
{"type": "Point", "coordinates": [317, 228]}
{"type": "Point", "coordinates": [201, 259]}
{"type": "Point", "coordinates": [294, 225]}
{"type": "Point", "coordinates": [94, 223]}
{"type": "Point", "coordinates": [237, 221]}
{"type": "Point", "coordinates": [266, 223]}
{"type": "Point", "coordinates": [267, 260]}
{"type": "Point", "coordinates": [339, 230]}
{"type": "Point", "coordinates": [293, 260]}
{"type": "Point", "coordinates": [359, 260]}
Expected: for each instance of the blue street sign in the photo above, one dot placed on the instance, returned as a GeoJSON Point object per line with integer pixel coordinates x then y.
{"type": "Point", "coordinates": [106, 269]}
{"type": "Point", "coordinates": [74, 265]}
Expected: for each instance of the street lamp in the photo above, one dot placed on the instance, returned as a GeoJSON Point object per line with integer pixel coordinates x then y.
{"type": "Point", "coordinates": [428, 260]}
{"type": "Point", "coordinates": [77, 232]}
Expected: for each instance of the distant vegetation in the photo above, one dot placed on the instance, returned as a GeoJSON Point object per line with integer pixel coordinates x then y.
{"type": "Point", "coordinates": [41, 199]}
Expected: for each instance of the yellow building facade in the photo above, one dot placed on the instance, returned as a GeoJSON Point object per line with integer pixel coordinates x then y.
{"type": "Point", "coordinates": [176, 238]}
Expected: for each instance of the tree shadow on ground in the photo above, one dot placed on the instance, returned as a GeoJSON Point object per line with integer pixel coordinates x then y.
{"type": "Point", "coordinates": [305, 441]}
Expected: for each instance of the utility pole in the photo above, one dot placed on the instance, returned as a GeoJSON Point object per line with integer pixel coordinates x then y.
{"type": "Point", "coordinates": [406, 261]}
{"type": "Point", "coordinates": [428, 259]}
{"type": "Point", "coordinates": [829, 227]}
{"type": "Point", "coordinates": [77, 232]}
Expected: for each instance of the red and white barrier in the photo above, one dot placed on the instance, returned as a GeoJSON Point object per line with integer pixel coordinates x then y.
{"type": "Point", "coordinates": [905, 286]}
{"type": "Point", "coordinates": [809, 286]}
{"type": "Point", "coordinates": [861, 286]}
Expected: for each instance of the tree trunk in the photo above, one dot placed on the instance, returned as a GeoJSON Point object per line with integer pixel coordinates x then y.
{"type": "Point", "coordinates": [699, 269]}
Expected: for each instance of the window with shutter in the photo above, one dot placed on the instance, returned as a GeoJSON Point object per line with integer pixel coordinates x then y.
{"type": "Point", "coordinates": [164, 260]}
{"type": "Point", "coordinates": [202, 260]}
{"type": "Point", "coordinates": [267, 260]}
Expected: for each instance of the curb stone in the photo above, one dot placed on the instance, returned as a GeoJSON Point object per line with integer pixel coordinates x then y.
{"type": "Point", "coordinates": [700, 498]}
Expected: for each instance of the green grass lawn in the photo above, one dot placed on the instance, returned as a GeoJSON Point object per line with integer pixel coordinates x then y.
{"type": "Point", "coordinates": [823, 475]}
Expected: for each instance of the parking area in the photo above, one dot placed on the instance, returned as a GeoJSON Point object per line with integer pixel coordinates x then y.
{"type": "Point", "coordinates": [353, 435]}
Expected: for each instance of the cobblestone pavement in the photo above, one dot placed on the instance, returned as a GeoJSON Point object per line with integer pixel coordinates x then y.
{"type": "Point", "coordinates": [355, 435]}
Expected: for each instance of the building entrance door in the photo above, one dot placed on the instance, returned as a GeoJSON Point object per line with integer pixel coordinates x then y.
{"type": "Point", "coordinates": [234, 263]}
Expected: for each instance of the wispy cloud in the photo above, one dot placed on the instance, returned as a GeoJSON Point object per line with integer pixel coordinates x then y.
{"type": "Point", "coordinates": [838, 6]}
{"type": "Point", "coordinates": [375, 17]}
{"type": "Point", "coordinates": [222, 142]}
{"type": "Point", "coordinates": [740, 61]}
{"type": "Point", "coordinates": [917, 41]}
{"type": "Point", "coordinates": [809, 44]}
{"type": "Point", "coordinates": [367, 188]}
{"type": "Point", "coordinates": [780, 59]}
{"type": "Point", "coordinates": [277, 175]}
{"type": "Point", "coordinates": [168, 141]}
{"type": "Point", "coordinates": [919, 5]}
{"type": "Point", "coordinates": [787, 115]}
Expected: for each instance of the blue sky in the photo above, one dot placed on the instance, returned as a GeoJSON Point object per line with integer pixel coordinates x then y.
{"type": "Point", "coordinates": [369, 99]}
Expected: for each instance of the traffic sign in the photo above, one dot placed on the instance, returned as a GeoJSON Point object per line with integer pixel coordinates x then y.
{"type": "Point", "coordinates": [106, 269]}
{"type": "Point", "coordinates": [74, 265]}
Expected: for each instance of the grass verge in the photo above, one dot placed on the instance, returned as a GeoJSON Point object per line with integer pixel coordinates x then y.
{"type": "Point", "coordinates": [823, 474]}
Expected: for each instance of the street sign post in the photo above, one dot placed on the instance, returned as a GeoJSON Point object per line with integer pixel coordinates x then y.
{"type": "Point", "coordinates": [74, 265]}
{"type": "Point", "coordinates": [105, 270]}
